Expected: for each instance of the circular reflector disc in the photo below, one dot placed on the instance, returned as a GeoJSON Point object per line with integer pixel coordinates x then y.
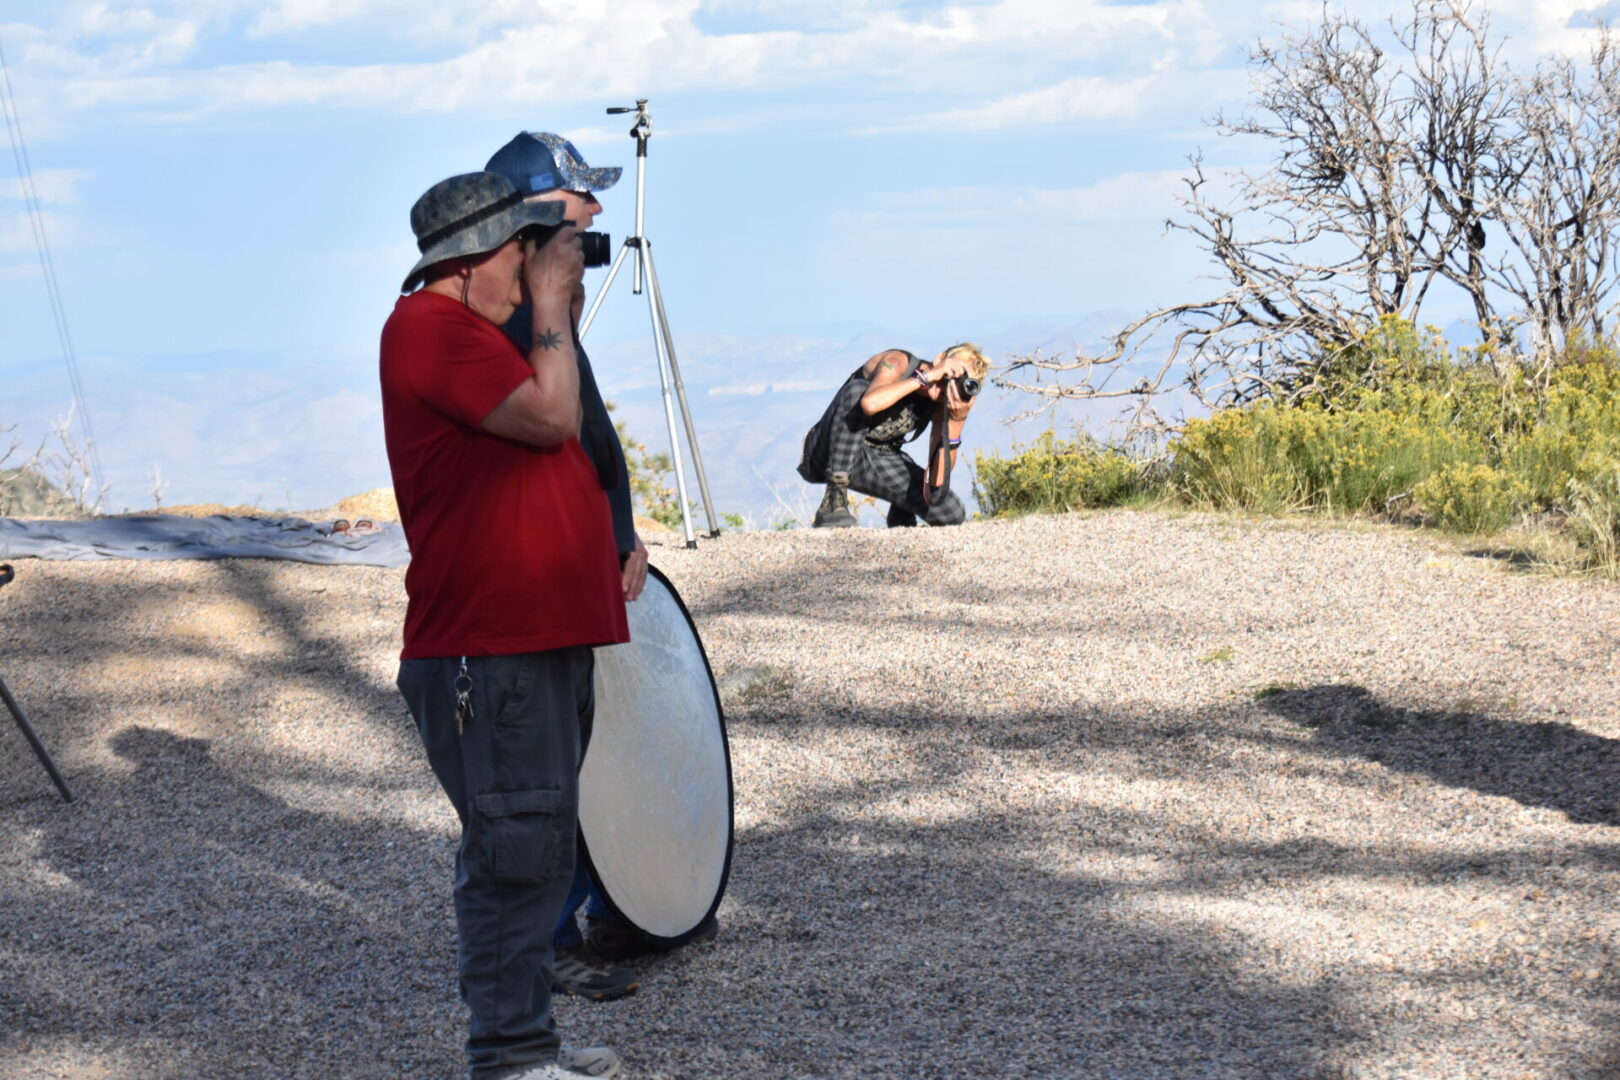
{"type": "Point", "coordinates": [655, 799]}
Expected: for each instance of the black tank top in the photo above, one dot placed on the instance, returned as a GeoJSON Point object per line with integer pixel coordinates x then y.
{"type": "Point", "coordinates": [906, 418]}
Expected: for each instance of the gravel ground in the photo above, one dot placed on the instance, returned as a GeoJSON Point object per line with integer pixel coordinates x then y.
{"type": "Point", "coordinates": [1123, 795]}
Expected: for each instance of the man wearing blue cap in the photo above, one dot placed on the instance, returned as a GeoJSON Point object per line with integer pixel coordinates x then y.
{"type": "Point", "coordinates": [547, 168]}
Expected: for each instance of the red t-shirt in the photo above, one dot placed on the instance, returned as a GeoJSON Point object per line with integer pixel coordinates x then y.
{"type": "Point", "coordinates": [511, 546]}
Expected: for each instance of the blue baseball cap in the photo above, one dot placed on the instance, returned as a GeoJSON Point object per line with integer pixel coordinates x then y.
{"type": "Point", "coordinates": [539, 161]}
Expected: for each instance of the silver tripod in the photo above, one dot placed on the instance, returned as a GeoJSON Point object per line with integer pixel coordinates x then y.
{"type": "Point", "coordinates": [669, 371]}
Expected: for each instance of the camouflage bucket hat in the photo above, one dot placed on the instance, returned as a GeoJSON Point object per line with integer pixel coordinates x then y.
{"type": "Point", "coordinates": [540, 161]}
{"type": "Point", "coordinates": [469, 215]}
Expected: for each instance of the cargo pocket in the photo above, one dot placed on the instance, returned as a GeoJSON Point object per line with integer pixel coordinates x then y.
{"type": "Point", "coordinates": [521, 840]}
{"type": "Point", "coordinates": [518, 673]}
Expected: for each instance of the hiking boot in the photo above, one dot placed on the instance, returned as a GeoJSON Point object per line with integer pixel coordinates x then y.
{"type": "Point", "coordinates": [901, 518]}
{"type": "Point", "coordinates": [614, 941]}
{"type": "Point", "coordinates": [571, 1064]}
{"type": "Point", "coordinates": [834, 512]}
{"type": "Point", "coordinates": [579, 971]}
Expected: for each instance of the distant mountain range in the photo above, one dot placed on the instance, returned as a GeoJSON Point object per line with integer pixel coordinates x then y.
{"type": "Point", "coordinates": [235, 427]}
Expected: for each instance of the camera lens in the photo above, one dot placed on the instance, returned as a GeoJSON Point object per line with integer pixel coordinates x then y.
{"type": "Point", "coordinates": [967, 386]}
{"type": "Point", "coordinates": [597, 248]}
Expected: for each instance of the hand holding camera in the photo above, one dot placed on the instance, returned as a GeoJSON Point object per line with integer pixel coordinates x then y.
{"type": "Point", "coordinates": [952, 376]}
{"type": "Point", "coordinates": [957, 400]}
{"type": "Point", "coordinates": [553, 264]}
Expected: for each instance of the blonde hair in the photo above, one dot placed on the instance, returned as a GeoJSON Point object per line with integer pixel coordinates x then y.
{"type": "Point", "coordinates": [978, 365]}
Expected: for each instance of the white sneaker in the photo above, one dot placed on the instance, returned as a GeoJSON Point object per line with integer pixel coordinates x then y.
{"type": "Point", "coordinates": [572, 1063]}
{"type": "Point", "coordinates": [596, 1061]}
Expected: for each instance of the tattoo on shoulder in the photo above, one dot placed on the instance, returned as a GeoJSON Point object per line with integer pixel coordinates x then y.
{"type": "Point", "coordinates": [548, 339]}
{"type": "Point", "coordinates": [891, 362]}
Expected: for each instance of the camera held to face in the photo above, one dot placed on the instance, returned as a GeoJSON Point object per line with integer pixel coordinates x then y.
{"type": "Point", "coordinates": [966, 386]}
{"type": "Point", "coordinates": [597, 247]}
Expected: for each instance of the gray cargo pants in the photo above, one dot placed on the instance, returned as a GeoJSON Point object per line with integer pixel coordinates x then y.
{"type": "Point", "coordinates": [513, 776]}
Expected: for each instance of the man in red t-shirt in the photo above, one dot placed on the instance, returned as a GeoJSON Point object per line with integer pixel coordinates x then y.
{"type": "Point", "coordinates": [513, 580]}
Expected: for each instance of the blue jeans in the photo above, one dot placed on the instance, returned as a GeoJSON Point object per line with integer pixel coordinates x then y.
{"type": "Point", "coordinates": [583, 892]}
{"type": "Point", "coordinates": [512, 774]}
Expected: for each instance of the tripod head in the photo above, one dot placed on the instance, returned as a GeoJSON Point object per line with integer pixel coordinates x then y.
{"type": "Point", "coordinates": [641, 130]}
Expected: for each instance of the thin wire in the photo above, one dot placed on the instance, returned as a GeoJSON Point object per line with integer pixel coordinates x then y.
{"type": "Point", "coordinates": [36, 221]}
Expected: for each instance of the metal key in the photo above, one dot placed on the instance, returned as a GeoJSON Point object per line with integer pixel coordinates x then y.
{"type": "Point", "coordinates": [463, 688]}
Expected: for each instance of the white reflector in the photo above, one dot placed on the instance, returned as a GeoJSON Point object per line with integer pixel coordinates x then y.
{"type": "Point", "coordinates": [655, 788]}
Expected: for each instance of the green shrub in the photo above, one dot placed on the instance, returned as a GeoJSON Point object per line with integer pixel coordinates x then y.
{"type": "Point", "coordinates": [1593, 521]}
{"type": "Point", "coordinates": [1578, 416]}
{"type": "Point", "coordinates": [1275, 458]}
{"type": "Point", "coordinates": [1476, 437]}
{"type": "Point", "coordinates": [1053, 476]}
{"type": "Point", "coordinates": [1472, 498]}
{"type": "Point", "coordinates": [649, 478]}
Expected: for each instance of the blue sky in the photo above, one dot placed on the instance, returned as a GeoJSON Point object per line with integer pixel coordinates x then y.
{"type": "Point", "coordinates": [227, 187]}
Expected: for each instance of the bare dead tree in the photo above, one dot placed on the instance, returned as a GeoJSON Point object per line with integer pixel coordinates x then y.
{"type": "Point", "coordinates": [1461, 139]}
{"type": "Point", "coordinates": [1396, 150]}
{"type": "Point", "coordinates": [8, 476]}
{"type": "Point", "coordinates": [66, 469]}
{"type": "Point", "coordinates": [1561, 216]}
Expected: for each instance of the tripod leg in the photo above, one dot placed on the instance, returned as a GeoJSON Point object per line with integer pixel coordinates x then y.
{"type": "Point", "coordinates": [613, 272]}
{"type": "Point", "coordinates": [662, 327]}
{"type": "Point", "coordinates": [660, 344]}
{"type": "Point", "coordinates": [33, 740]}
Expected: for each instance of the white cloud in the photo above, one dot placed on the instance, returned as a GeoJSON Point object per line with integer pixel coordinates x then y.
{"type": "Point", "coordinates": [17, 233]}
{"type": "Point", "coordinates": [1086, 97]}
{"type": "Point", "coordinates": [989, 64]}
{"type": "Point", "coordinates": [570, 50]}
{"type": "Point", "coordinates": [1140, 195]}
{"type": "Point", "coordinates": [135, 39]}
{"type": "Point", "coordinates": [294, 15]}
{"type": "Point", "coordinates": [50, 186]}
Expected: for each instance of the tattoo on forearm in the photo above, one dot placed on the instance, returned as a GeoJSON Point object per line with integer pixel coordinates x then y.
{"type": "Point", "coordinates": [548, 339]}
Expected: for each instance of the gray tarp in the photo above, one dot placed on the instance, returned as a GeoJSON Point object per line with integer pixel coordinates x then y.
{"type": "Point", "coordinates": [165, 536]}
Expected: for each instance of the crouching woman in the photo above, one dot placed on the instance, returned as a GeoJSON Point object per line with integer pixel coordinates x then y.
{"type": "Point", "coordinates": [885, 403]}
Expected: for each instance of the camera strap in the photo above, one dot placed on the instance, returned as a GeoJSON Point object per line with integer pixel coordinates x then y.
{"type": "Point", "coordinates": [938, 442]}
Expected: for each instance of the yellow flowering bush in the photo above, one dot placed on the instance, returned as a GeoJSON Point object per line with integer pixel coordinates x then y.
{"type": "Point", "coordinates": [1472, 498]}
{"type": "Point", "coordinates": [1275, 458]}
{"type": "Point", "coordinates": [1054, 476]}
{"type": "Point", "coordinates": [1593, 507]}
{"type": "Point", "coordinates": [1474, 437]}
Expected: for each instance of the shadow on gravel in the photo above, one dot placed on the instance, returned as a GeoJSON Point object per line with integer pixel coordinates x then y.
{"type": "Point", "coordinates": [219, 932]}
{"type": "Point", "coordinates": [1555, 766]}
{"type": "Point", "coordinates": [944, 949]}
{"type": "Point", "coordinates": [1518, 559]}
{"type": "Point", "coordinates": [125, 648]}
{"type": "Point", "coordinates": [902, 919]}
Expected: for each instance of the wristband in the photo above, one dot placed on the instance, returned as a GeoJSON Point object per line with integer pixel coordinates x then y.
{"type": "Point", "coordinates": [953, 443]}
{"type": "Point", "coordinates": [918, 375]}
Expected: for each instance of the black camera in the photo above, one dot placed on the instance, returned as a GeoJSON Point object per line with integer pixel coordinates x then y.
{"type": "Point", "coordinates": [967, 386]}
{"type": "Point", "coordinates": [597, 247]}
